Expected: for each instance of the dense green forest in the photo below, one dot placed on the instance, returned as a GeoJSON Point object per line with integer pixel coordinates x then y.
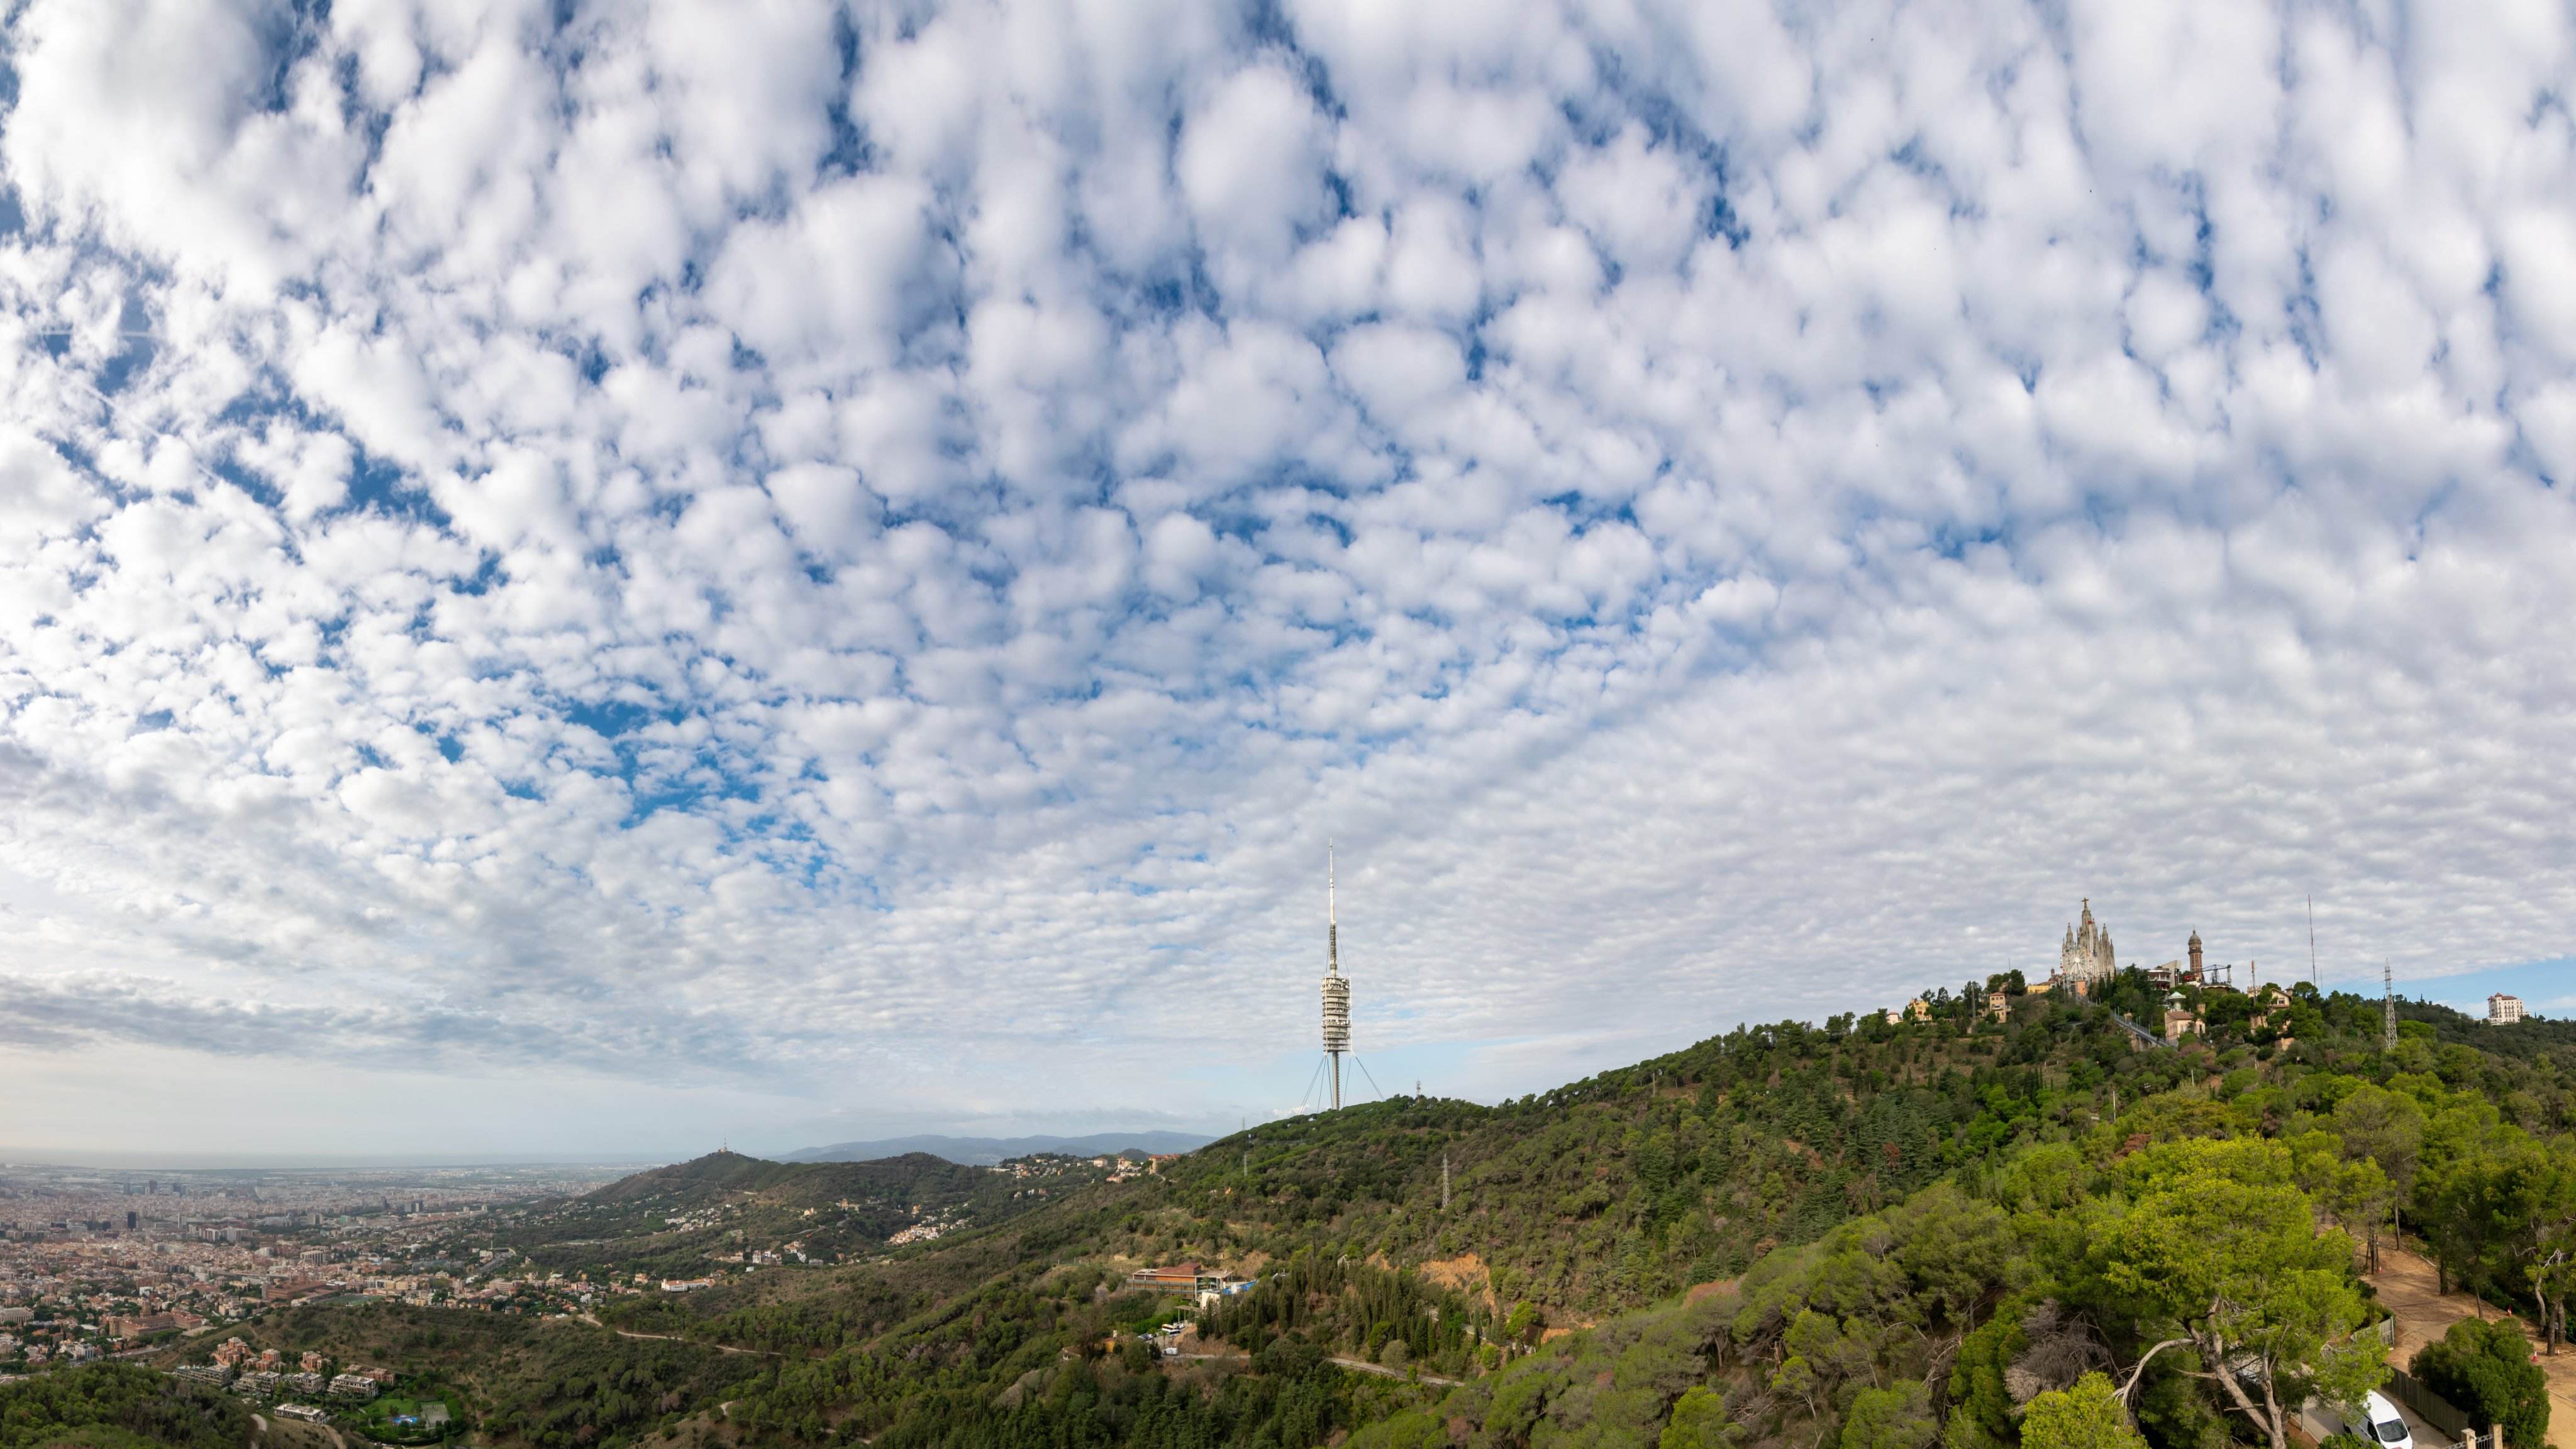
{"type": "Point", "coordinates": [118, 1406]}
{"type": "Point", "coordinates": [2039, 1230]}
{"type": "Point", "coordinates": [675, 1221]}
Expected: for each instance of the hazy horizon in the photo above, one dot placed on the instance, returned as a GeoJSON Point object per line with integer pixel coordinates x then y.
{"type": "Point", "coordinates": [2464, 993]}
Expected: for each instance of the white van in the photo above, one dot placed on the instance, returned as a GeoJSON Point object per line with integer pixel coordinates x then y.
{"type": "Point", "coordinates": [2385, 1427]}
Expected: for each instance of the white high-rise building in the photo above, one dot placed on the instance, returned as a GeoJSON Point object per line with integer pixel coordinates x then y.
{"type": "Point", "coordinates": [2503, 1010]}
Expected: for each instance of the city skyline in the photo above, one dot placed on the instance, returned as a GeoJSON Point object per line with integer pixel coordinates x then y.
{"type": "Point", "coordinates": [602, 579]}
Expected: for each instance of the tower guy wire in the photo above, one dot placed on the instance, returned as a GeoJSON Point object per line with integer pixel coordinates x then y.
{"type": "Point", "coordinates": [1372, 1079]}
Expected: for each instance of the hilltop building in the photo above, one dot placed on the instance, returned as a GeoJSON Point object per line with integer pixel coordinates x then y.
{"type": "Point", "coordinates": [2085, 960]}
{"type": "Point", "coordinates": [2503, 1010]}
{"type": "Point", "coordinates": [2170, 974]}
{"type": "Point", "coordinates": [2180, 1020]}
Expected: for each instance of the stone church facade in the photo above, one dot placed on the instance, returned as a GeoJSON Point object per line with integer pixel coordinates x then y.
{"type": "Point", "coordinates": [2086, 957]}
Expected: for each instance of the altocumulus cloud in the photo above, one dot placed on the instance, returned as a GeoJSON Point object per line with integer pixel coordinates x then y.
{"type": "Point", "coordinates": [857, 553]}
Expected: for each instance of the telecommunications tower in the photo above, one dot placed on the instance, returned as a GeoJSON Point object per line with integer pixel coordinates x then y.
{"type": "Point", "coordinates": [1337, 987]}
{"type": "Point", "coordinates": [2388, 1009]}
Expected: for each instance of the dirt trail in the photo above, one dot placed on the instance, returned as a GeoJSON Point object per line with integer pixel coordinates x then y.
{"type": "Point", "coordinates": [1382, 1371]}
{"type": "Point", "coordinates": [2408, 1288]}
{"type": "Point", "coordinates": [677, 1338]}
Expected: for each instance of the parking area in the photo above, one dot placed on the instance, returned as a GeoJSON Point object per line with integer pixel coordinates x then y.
{"type": "Point", "coordinates": [2410, 1290]}
{"type": "Point", "coordinates": [2320, 1421]}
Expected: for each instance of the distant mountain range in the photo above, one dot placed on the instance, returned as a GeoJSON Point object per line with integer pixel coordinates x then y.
{"type": "Point", "coordinates": [985, 1151]}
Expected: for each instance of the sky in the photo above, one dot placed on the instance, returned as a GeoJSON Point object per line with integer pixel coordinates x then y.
{"type": "Point", "coordinates": [599, 579]}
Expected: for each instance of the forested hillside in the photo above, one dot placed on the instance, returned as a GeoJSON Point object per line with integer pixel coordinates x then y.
{"type": "Point", "coordinates": [117, 1406]}
{"type": "Point", "coordinates": [1982, 1233]}
{"type": "Point", "coordinates": [726, 1207]}
{"type": "Point", "coordinates": [1868, 1234]}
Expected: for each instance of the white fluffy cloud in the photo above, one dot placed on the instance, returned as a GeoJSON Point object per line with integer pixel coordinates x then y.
{"type": "Point", "coordinates": [848, 559]}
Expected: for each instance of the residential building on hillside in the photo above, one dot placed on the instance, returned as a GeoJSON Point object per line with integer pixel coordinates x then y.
{"type": "Point", "coordinates": [2503, 1010]}
{"type": "Point", "coordinates": [138, 1325]}
{"type": "Point", "coordinates": [2180, 1020]}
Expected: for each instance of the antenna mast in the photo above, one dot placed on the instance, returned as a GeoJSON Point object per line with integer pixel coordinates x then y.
{"type": "Point", "coordinates": [1337, 988]}
{"type": "Point", "coordinates": [2312, 939]}
{"type": "Point", "coordinates": [2388, 1009]}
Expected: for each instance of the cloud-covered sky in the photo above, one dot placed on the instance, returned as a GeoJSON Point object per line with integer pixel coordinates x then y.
{"type": "Point", "coordinates": [588, 577]}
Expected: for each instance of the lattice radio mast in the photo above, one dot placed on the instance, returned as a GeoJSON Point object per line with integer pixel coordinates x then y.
{"type": "Point", "coordinates": [2387, 1009]}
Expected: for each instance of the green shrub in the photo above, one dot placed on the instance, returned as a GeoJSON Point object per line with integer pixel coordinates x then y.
{"type": "Point", "coordinates": [1699, 1422]}
{"type": "Point", "coordinates": [2087, 1416]}
{"type": "Point", "coordinates": [1895, 1418]}
{"type": "Point", "coordinates": [2485, 1369]}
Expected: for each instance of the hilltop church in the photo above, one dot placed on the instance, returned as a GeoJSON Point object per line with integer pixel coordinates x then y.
{"type": "Point", "coordinates": [2086, 957]}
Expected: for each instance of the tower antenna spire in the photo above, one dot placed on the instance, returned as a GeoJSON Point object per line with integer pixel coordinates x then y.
{"type": "Point", "coordinates": [2312, 938]}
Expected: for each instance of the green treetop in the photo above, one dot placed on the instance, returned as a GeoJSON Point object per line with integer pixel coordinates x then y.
{"type": "Point", "coordinates": [2087, 1415]}
{"type": "Point", "coordinates": [2212, 1244]}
